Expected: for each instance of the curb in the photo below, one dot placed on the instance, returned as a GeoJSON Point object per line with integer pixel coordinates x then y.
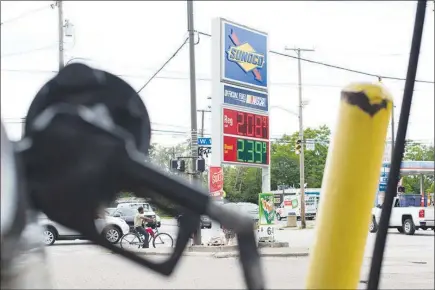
{"type": "Point", "coordinates": [285, 228]}
{"type": "Point", "coordinates": [211, 249]}
{"type": "Point", "coordinates": [225, 255]}
{"type": "Point", "coordinates": [270, 255]}
{"type": "Point", "coordinates": [273, 245]}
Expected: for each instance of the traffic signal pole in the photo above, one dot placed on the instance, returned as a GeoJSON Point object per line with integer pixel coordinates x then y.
{"type": "Point", "coordinates": [59, 5]}
{"type": "Point", "coordinates": [193, 113]}
{"type": "Point", "coordinates": [301, 137]}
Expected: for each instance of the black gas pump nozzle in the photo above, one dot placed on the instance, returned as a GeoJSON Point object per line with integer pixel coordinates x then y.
{"type": "Point", "coordinates": [76, 155]}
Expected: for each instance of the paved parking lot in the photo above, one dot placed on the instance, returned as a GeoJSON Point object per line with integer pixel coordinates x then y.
{"type": "Point", "coordinates": [409, 264]}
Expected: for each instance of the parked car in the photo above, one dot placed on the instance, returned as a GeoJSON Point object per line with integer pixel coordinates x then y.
{"type": "Point", "coordinates": [128, 214]}
{"type": "Point", "coordinates": [205, 221]}
{"type": "Point", "coordinates": [405, 219]}
{"type": "Point", "coordinates": [112, 228]}
{"type": "Point", "coordinates": [110, 210]}
{"type": "Point", "coordinates": [247, 208]}
{"type": "Point", "coordinates": [148, 209]}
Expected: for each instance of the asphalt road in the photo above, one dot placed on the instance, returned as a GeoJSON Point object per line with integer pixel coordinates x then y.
{"type": "Point", "coordinates": [409, 264]}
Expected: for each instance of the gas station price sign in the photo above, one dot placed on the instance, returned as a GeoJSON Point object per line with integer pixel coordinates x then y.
{"type": "Point", "coordinates": [245, 124]}
{"type": "Point", "coordinates": [245, 151]}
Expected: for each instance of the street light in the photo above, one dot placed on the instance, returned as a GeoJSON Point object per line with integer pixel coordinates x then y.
{"type": "Point", "coordinates": [286, 110]}
{"type": "Point", "coordinates": [77, 58]}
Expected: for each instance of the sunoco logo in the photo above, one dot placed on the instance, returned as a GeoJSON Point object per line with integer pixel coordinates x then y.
{"type": "Point", "coordinates": [245, 56]}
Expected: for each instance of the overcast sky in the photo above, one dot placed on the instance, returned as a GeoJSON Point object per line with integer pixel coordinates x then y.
{"type": "Point", "coordinates": [134, 39]}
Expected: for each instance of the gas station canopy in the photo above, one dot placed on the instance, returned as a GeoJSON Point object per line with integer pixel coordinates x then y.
{"type": "Point", "coordinates": [415, 167]}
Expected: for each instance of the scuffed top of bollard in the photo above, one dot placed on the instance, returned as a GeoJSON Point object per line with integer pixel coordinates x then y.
{"type": "Point", "coordinates": [369, 97]}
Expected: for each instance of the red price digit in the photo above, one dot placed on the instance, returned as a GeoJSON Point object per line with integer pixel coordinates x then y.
{"type": "Point", "coordinates": [258, 127]}
{"type": "Point", "coordinates": [250, 125]}
{"type": "Point", "coordinates": [265, 128]}
{"type": "Point", "coordinates": [240, 124]}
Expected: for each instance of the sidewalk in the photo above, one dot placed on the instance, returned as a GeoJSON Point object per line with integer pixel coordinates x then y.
{"type": "Point", "coordinates": [228, 252]}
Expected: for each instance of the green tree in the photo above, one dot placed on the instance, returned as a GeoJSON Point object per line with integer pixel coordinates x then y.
{"type": "Point", "coordinates": [285, 162]}
{"type": "Point", "coordinates": [161, 155]}
{"type": "Point", "coordinates": [244, 183]}
{"type": "Point", "coordinates": [418, 152]}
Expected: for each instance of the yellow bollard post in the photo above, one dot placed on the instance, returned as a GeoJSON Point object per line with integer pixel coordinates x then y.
{"type": "Point", "coordinates": [349, 186]}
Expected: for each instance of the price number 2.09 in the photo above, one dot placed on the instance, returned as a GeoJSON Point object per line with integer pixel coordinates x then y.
{"type": "Point", "coordinates": [251, 151]}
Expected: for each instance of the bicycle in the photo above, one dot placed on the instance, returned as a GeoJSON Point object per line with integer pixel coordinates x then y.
{"type": "Point", "coordinates": [133, 238]}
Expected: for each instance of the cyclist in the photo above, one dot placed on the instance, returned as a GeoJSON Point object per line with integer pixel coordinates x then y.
{"type": "Point", "coordinates": [139, 220]}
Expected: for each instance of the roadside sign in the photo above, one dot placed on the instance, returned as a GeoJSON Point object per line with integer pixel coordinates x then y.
{"type": "Point", "coordinates": [204, 141]}
{"type": "Point", "coordinates": [382, 187]}
{"type": "Point", "coordinates": [309, 145]}
{"type": "Point", "coordinates": [266, 209]}
{"type": "Point", "coordinates": [383, 179]}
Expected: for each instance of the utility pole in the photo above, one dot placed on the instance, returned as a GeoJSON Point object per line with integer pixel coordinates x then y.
{"type": "Point", "coordinates": [301, 137]}
{"type": "Point", "coordinates": [392, 133]}
{"type": "Point", "coordinates": [23, 127]}
{"type": "Point", "coordinates": [392, 127]}
{"type": "Point", "coordinates": [202, 133]}
{"type": "Point", "coordinates": [202, 123]}
{"type": "Point", "coordinates": [202, 120]}
{"type": "Point", "coordinates": [59, 5]}
{"type": "Point", "coordinates": [193, 120]}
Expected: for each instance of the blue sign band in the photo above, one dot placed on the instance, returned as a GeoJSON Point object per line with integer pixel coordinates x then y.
{"type": "Point", "coordinates": [204, 141]}
{"type": "Point", "coordinates": [245, 98]}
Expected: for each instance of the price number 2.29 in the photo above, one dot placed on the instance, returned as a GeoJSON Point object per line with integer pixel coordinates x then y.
{"type": "Point", "coordinates": [251, 151]}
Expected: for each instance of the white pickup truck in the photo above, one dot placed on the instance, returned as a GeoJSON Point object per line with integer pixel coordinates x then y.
{"type": "Point", "coordinates": [405, 219]}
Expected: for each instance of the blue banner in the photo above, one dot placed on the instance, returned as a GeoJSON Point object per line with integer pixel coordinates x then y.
{"type": "Point", "coordinates": [245, 98]}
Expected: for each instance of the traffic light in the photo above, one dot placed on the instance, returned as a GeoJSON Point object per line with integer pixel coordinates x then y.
{"type": "Point", "coordinates": [200, 165]}
{"type": "Point", "coordinates": [173, 164]}
{"type": "Point", "coordinates": [181, 165]}
{"type": "Point", "coordinates": [298, 146]}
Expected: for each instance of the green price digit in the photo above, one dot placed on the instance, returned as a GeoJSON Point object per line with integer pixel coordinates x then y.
{"type": "Point", "coordinates": [265, 152]}
{"type": "Point", "coordinates": [259, 151]}
{"type": "Point", "coordinates": [240, 150]}
{"type": "Point", "coordinates": [251, 151]}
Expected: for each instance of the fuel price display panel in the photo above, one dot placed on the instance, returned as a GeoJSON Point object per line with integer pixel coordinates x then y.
{"type": "Point", "coordinates": [245, 124]}
{"type": "Point", "coordinates": [245, 151]}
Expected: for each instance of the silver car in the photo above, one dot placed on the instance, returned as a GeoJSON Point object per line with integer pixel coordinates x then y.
{"type": "Point", "coordinates": [111, 227]}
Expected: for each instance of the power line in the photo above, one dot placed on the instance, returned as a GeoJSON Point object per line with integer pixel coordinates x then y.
{"type": "Point", "coordinates": [336, 66]}
{"type": "Point", "coordinates": [163, 66]}
{"type": "Point", "coordinates": [28, 51]}
{"type": "Point", "coordinates": [348, 69]}
{"type": "Point", "coordinates": [282, 84]}
{"type": "Point", "coordinates": [25, 14]}
{"type": "Point", "coordinates": [276, 138]}
{"type": "Point", "coordinates": [21, 121]}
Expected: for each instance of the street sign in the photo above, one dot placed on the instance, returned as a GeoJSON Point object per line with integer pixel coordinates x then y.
{"type": "Point", "coordinates": [266, 233]}
{"type": "Point", "coordinates": [204, 141]}
{"type": "Point", "coordinates": [382, 187]}
{"type": "Point", "coordinates": [309, 145]}
{"type": "Point", "coordinates": [383, 179]}
{"type": "Point", "coordinates": [204, 151]}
